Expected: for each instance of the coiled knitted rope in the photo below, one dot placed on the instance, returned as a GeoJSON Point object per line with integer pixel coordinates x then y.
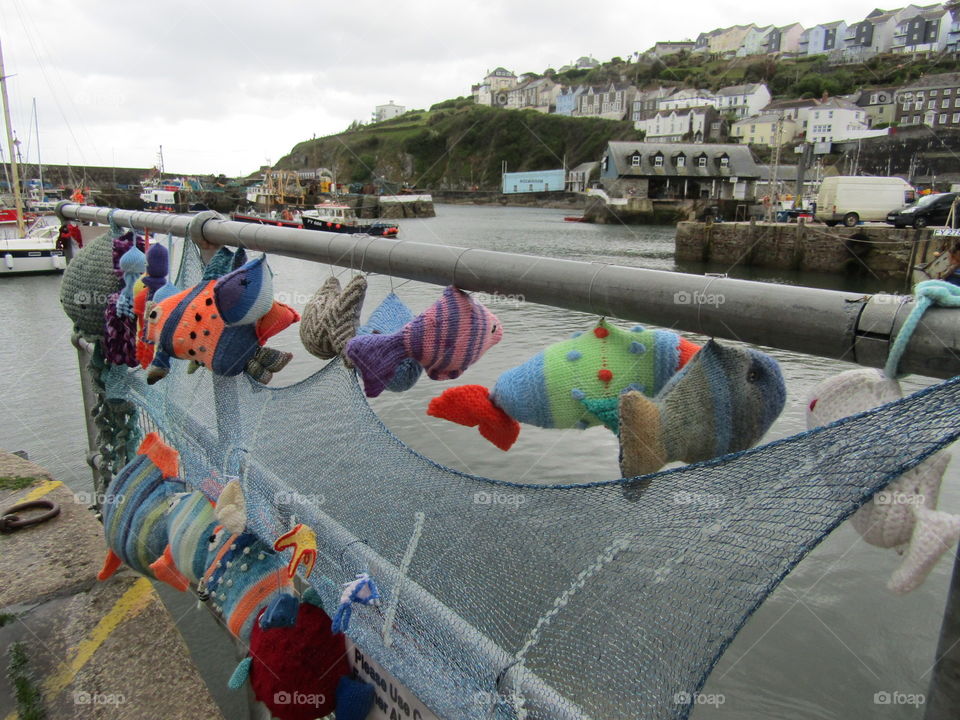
{"type": "Point", "coordinates": [331, 317]}
{"type": "Point", "coordinates": [926, 293]}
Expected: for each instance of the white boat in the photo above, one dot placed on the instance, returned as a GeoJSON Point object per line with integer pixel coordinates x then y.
{"type": "Point", "coordinates": [36, 252]}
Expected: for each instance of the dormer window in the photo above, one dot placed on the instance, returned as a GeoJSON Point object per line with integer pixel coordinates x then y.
{"type": "Point", "coordinates": [681, 161]}
{"type": "Point", "coordinates": [724, 161]}
{"type": "Point", "coordinates": [658, 160]}
{"type": "Point", "coordinates": [635, 161]}
{"type": "Point", "coordinates": [702, 161]}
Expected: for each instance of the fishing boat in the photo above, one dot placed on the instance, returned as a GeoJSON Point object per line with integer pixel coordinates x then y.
{"type": "Point", "coordinates": [336, 217]}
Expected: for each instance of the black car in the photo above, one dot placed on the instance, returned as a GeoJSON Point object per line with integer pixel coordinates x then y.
{"type": "Point", "coordinates": [928, 210]}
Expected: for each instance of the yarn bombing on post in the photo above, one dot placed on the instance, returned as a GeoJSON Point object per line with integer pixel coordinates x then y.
{"type": "Point", "coordinates": [724, 400]}
{"type": "Point", "coordinates": [574, 383]}
{"type": "Point", "coordinates": [221, 323]}
{"type": "Point", "coordinates": [445, 340]}
{"type": "Point", "coordinates": [904, 515]}
{"type": "Point", "coordinates": [389, 317]}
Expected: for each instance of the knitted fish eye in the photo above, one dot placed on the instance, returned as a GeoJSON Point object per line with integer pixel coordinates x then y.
{"type": "Point", "coordinates": [214, 539]}
{"type": "Point", "coordinates": [493, 329]}
{"type": "Point", "coordinates": [753, 375]}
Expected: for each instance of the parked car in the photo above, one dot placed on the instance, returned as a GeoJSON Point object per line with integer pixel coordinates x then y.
{"type": "Point", "coordinates": [852, 199]}
{"type": "Point", "coordinates": [928, 210]}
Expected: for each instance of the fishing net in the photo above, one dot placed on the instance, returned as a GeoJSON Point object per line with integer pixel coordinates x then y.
{"type": "Point", "coordinates": [502, 600]}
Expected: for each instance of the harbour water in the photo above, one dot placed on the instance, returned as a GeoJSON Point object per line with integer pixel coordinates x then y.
{"type": "Point", "coordinates": [823, 646]}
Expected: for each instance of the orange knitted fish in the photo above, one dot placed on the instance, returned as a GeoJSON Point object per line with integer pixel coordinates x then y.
{"type": "Point", "coordinates": [221, 324]}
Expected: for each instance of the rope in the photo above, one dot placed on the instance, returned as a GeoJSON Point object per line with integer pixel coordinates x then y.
{"type": "Point", "coordinates": [927, 293]}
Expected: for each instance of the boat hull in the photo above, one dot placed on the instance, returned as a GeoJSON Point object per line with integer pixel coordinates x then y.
{"type": "Point", "coordinates": [239, 217]}
{"type": "Point", "coordinates": [382, 229]}
{"type": "Point", "coordinates": [27, 261]}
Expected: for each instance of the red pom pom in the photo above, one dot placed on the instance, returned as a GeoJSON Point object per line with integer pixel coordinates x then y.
{"type": "Point", "coordinates": [601, 332]}
{"type": "Point", "coordinates": [605, 375]}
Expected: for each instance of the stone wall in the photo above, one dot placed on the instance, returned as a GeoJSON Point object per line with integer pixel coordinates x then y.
{"type": "Point", "coordinates": [884, 251]}
{"type": "Point", "coordinates": [561, 200]}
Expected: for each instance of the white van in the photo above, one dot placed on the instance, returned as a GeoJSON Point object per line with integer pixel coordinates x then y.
{"type": "Point", "coordinates": [851, 199]}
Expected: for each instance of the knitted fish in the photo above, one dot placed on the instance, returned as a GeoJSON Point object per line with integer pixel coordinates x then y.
{"type": "Point", "coordinates": [133, 517]}
{"type": "Point", "coordinates": [724, 400]}
{"type": "Point", "coordinates": [388, 317]}
{"type": "Point", "coordinates": [904, 514]}
{"type": "Point", "coordinates": [445, 340]}
{"type": "Point", "coordinates": [331, 317]}
{"type": "Point", "coordinates": [572, 383]}
{"type": "Point", "coordinates": [221, 323]}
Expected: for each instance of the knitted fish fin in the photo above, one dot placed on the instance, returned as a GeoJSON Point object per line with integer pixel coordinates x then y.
{"type": "Point", "coordinates": [166, 458]}
{"type": "Point", "coordinates": [377, 358]}
{"type": "Point", "coordinates": [220, 264]}
{"type": "Point", "coordinates": [342, 319]}
{"type": "Point", "coordinates": [231, 509]}
{"type": "Point", "coordinates": [159, 366]}
{"type": "Point", "coordinates": [406, 376]}
{"type": "Point", "coordinates": [641, 447]}
{"type": "Point", "coordinates": [239, 676]}
{"type": "Point", "coordinates": [355, 699]}
{"type": "Point", "coordinates": [165, 569]}
{"type": "Point", "coordinates": [605, 410]}
{"type": "Point", "coordinates": [245, 295]}
{"type": "Point", "coordinates": [278, 318]}
{"type": "Point", "coordinates": [273, 360]}
{"type": "Point", "coordinates": [280, 612]}
{"type": "Point", "coordinates": [470, 405]}
{"type": "Point", "coordinates": [935, 533]}
{"type": "Point", "coordinates": [110, 565]}
{"type": "Point", "coordinates": [311, 596]}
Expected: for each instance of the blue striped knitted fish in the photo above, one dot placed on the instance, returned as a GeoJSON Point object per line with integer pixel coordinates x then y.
{"type": "Point", "coordinates": [724, 400]}
{"type": "Point", "coordinates": [134, 520]}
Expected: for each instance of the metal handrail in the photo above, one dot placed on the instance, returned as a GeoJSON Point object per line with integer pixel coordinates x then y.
{"type": "Point", "coordinates": [840, 325]}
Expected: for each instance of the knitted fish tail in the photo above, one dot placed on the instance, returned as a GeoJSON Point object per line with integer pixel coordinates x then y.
{"type": "Point", "coordinates": [470, 405]}
{"type": "Point", "coordinates": [377, 358]}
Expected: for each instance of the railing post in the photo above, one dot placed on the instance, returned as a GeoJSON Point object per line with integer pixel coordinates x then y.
{"type": "Point", "coordinates": [89, 396]}
{"type": "Point", "coordinates": [943, 697]}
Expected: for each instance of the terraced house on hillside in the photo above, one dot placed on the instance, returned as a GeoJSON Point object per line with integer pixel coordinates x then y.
{"type": "Point", "coordinates": [933, 100]}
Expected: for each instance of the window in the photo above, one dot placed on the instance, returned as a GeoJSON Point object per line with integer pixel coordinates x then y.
{"type": "Point", "coordinates": [724, 161]}
{"type": "Point", "coordinates": [682, 161]}
{"type": "Point", "coordinates": [945, 103]}
{"type": "Point", "coordinates": [933, 93]}
{"type": "Point", "coordinates": [658, 161]}
{"type": "Point", "coordinates": [635, 160]}
{"type": "Point", "coordinates": [702, 162]}
{"type": "Point", "coordinates": [931, 105]}
{"type": "Point", "coordinates": [948, 91]}
{"type": "Point", "coordinates": [916, 119]}
{"type": "Point", "coordinates": [830, 114]}
{"type": "Point", "coordinates": [956, 118]}
{"type": "Point", "coordinates": [918, 105]}
{"type": "Point", "coordinates": [943, 119]}
{"type": "Point", "coordinates": [753, 128]}
{"type": "Point", "coordinates": [956, 102]}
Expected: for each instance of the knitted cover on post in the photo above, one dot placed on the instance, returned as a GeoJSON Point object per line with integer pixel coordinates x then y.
{"type": "Point", "coordinates": [598, 600]}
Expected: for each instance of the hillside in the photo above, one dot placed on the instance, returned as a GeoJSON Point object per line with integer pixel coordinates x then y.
{"type": "Point", "coordinates": [457, 145]}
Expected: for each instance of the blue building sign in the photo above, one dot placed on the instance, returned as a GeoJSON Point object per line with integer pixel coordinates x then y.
{"type": "Point", "coordinates": [535, 181]}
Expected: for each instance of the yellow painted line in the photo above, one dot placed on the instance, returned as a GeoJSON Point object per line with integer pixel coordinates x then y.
{"type": "Point", "coordinates": [131, 603]}
{"type": "Point", "coordinates": [39, 491]}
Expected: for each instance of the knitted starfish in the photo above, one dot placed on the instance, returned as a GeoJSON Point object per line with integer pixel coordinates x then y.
{"type": "Point", "coordinates": [331, 317]}
{"type": "Point", "coordinates": [905, 512]}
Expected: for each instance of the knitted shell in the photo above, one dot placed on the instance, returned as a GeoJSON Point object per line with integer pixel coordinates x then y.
{"type": "Point", "coordinates": [88, 282]}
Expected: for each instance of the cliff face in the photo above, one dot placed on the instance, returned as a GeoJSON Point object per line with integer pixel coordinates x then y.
{"type": "Point", "coordinates": [458, 146]}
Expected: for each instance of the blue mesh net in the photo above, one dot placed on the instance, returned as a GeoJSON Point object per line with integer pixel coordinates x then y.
{"type": "Point", "coordinates": [610, 599]}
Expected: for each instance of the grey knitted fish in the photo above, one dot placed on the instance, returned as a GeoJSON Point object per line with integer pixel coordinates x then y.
{"type": "Point", "coordinates": [724, 400]}
{"type": "Point", "coordinates": [331, 317]}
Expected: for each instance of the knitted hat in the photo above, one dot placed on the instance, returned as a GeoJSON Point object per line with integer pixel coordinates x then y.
{"type": "Point", "coordinates": [724, 400]}
{"type": "Point", "coordinates": [331, 317]}
{"type": "Point", "coordinates": [87, 283]}
{"type": "Point", "coordinates": [388, 317]}
{"type": "Point", "coordinates": [157, 267]}
{"type": "Point", "coordinates": [133, 517]}
{"type": "Point", "coordinates": [445, 340]}
{"type": "Point", "coordinates": [572, 383]}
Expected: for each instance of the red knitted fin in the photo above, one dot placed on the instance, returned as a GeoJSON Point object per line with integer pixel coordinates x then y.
{"type": "Point", "coordinates": [470, 405]}
{"type": "Point", "coordinates": [162, 455]}
{"type": "Point", "coordinates": [110, 564]}
{"type": "Point", "coordinates": [278, 318]}
{"type": "Point", "coordinates": [687, 350]}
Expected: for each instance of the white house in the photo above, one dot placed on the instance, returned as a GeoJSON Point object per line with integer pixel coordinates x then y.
{"type": "Point", "coordinates": [837, 119]}
{"type": "Point", "coordinates": [823, 39]}
{"type": "Point", "coordinates": [784, 40]}
{"type": "Point", "coordinates": [797, 110]}
{"type": "Point", "coordinates": [692, 125]}
{"type": "Point", "coordinates": [388, 111]}
{"type": "Point", "coordinates": [742, 100]}
{"type": "Point", "coordinates": [686, 99]}
{"type": "Point", "coordinates": [755, 41]}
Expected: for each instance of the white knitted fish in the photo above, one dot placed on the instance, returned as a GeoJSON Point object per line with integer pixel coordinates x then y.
{"type": "Point", "coordinates": [904, 514]}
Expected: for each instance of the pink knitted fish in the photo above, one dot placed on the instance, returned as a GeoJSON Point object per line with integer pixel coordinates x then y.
{"type": "Point", "coordinates": [446, 339]}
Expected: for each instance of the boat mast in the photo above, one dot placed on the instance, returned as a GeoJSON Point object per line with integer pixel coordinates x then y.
{"type": "Point", "coordinates": [36, 125]}
{"type": "Point", "coordinates": [17, 199]}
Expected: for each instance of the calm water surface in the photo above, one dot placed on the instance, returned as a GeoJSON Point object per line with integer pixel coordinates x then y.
{"type": "Point", "coordinates": [828, 639]}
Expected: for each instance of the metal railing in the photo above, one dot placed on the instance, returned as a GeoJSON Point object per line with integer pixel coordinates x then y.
{"type": "Point", "coordinates": [844, 326]}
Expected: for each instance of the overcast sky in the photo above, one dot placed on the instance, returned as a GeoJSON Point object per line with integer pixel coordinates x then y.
{"type": "Point", "coordinates": [229, 86]}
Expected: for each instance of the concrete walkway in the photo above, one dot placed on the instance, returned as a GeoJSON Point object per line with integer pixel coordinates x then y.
{"type": "Point", "coordinates": [90, 649]}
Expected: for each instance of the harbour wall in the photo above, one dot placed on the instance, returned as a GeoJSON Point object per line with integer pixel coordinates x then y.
{"type": "Point", "coordinates": [885, 252]}
{"type": "Point", "coordinates": [640, 211]}
{"type": "Point", "coordinates": [391, 207]}
{"type": "Point", "coordinates": [559, 200]}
